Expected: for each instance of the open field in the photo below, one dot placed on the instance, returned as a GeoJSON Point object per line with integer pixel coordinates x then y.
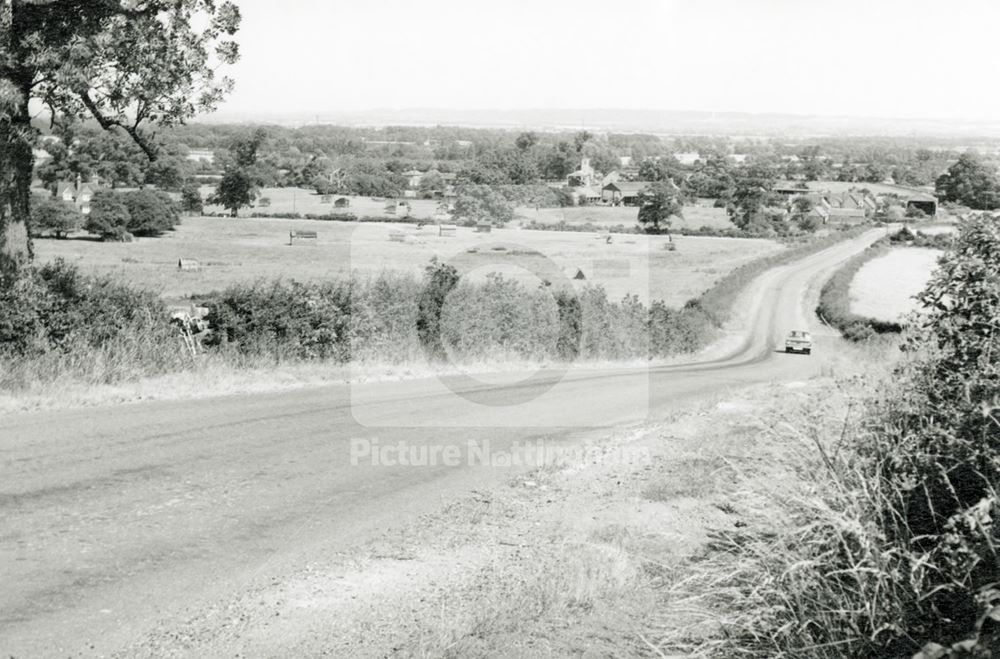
{"type": "Point", "coordinates": [884, 287]}
{"type": "Point", "coordinates": [694, 217]}
{"type": "Point", "coordinates": [231, 250]}
{"type": "Point", "coordinates": [837, 187]}
{"type": "Point", "coordinates": [301, 200]}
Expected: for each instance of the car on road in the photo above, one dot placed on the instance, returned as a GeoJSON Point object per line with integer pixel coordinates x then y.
{"type": "Point", "coordinates": [799, 341]}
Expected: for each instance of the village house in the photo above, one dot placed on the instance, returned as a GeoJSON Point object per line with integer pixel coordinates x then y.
{"type": "Point", "coordinates": [79, 194]}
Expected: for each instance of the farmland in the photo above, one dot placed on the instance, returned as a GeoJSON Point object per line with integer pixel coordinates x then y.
{"type": "Point", "coordinates": [694, 217]}
{"type": "Point", "coordinates": [303, 201]}
{"type": "Point", "coordinates": [884, 288]}
{"type": "Point", "coordinates": [232, 250]}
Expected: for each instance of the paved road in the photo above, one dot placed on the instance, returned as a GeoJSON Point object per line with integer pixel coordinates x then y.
{"type": "Point", "coordinates": [125, 520]}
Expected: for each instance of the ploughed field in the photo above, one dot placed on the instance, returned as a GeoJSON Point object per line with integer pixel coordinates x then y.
{"type": "Point", "coordinates": [233, 250]}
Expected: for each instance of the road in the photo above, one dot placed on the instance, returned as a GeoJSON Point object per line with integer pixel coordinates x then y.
{"type": "Point", "coordinates": [124, 520]}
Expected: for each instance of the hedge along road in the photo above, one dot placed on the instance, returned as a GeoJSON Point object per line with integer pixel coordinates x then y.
{"type": "Point", "coordinates": [139, 519]}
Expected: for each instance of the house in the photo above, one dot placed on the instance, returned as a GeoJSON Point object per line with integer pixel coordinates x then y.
{"type": "Point", "coordinates": [79, 194]}
{"type": "Point", "coordinates": [413, 178]}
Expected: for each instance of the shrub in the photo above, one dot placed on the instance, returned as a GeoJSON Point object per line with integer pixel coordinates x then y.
{"type": "Point", "coordinates": [498, 318]}
{"type": "Point", "coordinates": [283, 320]}
{"type": "Point", "coordinates": [439, 280]}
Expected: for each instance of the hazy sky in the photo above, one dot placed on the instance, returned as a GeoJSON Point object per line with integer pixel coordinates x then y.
{"type": "Point", "coordinates": [894, 58]}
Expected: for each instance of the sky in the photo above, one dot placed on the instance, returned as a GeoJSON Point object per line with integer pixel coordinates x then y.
{"type": "Point", "coordinates": [874, 58]}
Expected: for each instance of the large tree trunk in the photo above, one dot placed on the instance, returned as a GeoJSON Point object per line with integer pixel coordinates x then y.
{"type": "Point", "coordinates": [16, 140]}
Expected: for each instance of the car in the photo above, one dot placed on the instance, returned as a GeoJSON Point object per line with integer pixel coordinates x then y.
{"type": "Point", "coordinates": [799, 341]}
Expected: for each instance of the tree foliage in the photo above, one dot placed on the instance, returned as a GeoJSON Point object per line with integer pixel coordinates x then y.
{"type": "Point", "coordinates": [124, 63]}
{"type": "Point", "coordinates": [54, 216]}
{"type": "Point", "coordinates": [482, 203]}
{"type": "Point", "coordinates": [659, 205]}
{"type": "Point", "coordinates": [970, 182]}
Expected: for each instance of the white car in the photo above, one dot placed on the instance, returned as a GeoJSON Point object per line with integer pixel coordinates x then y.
{"type": "Point", "coordinates": [799, 341]}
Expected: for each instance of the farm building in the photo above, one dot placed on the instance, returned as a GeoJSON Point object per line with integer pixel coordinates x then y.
{"type": "Point", "coordinates": [628, 193]}
{"type": "Point", "coordinates": [923, 202]}
{"type": "Point", "coordinates": [845, 216]}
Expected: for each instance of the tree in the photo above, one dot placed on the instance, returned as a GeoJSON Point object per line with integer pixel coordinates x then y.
{"type": "Point", "coordinates": [150, 212]}
{"type": "Point", "coordinates": [525, 141]}
{"type": "Point", "coordinates": [970, 182]}
{"type": "Point", "coordinates": [191, 199]}
{"type": "Point", "coordinates": [55, 216]}
{"type": "Point", "coordinates": [481, 203]}
{"type": "Point", "coordinates": [109, 216]}
{"type": "Point", "coordinates": [235, 190]}
{"type": "Point", "coordinates": [751, 193]}
{"type": "Point", "coordinates": [123, 63]}
{"type": "Point", "coordinates": [659, 205]}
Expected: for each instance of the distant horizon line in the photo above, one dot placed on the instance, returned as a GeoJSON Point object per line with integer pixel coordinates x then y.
{"type": "Point", "coordinates": [579, 110]}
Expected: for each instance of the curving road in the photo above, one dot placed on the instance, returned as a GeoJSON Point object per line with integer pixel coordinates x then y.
{"type": "Point", "coordinates": [124, 521]}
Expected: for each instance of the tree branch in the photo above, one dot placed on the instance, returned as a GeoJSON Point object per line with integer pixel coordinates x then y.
{"type": "Point", "coordinates": [107, 123]}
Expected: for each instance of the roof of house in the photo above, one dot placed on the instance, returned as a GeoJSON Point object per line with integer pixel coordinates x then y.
{"type": "Point", "coordinates": [846, 212]}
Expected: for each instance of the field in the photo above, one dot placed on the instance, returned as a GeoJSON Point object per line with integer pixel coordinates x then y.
{"type": "Point", "coordinates": [232, 250]}
{"type": "Point", "coordinates": [884, 287]}
{"type": "Point", "coordinates": [694, 217]}
{"type": "Point", "coordinates": [301, 200]}
{"type": "Point", "coordinates": [837, 187]}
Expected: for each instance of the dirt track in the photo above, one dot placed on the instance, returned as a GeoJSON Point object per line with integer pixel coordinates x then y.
{"type": "Point", "coordinates": [125, 521]}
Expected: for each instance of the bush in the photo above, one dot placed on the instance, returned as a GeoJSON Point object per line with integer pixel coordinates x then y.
{"type": "Point", "coordinates": [54, 216]}
{"type": "Point", "coordinates": [56, 322]}
{"type": "Point", "coordinates": [283, 320]}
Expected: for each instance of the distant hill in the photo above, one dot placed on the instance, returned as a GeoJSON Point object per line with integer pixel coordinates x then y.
{"type": "Point", "coordinates": [631, 121]}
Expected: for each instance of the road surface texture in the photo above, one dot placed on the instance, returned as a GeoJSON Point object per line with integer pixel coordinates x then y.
{"type": "Point", "coordinates": [124, 521]}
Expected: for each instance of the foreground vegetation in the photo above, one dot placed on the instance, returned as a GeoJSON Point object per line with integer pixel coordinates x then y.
{"type": "Point", "coordinates": [889, 547]}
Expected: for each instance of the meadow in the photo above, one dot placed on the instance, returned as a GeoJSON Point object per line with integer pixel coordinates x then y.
{"type": "Point", "coordinates": [884, 288]}
{"type": "Point", "coordinates": [303, 201]}
{"type": "Point", "coordinates": [694, 217]}
{"type": "Point", "coordinates": [229, 251]}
